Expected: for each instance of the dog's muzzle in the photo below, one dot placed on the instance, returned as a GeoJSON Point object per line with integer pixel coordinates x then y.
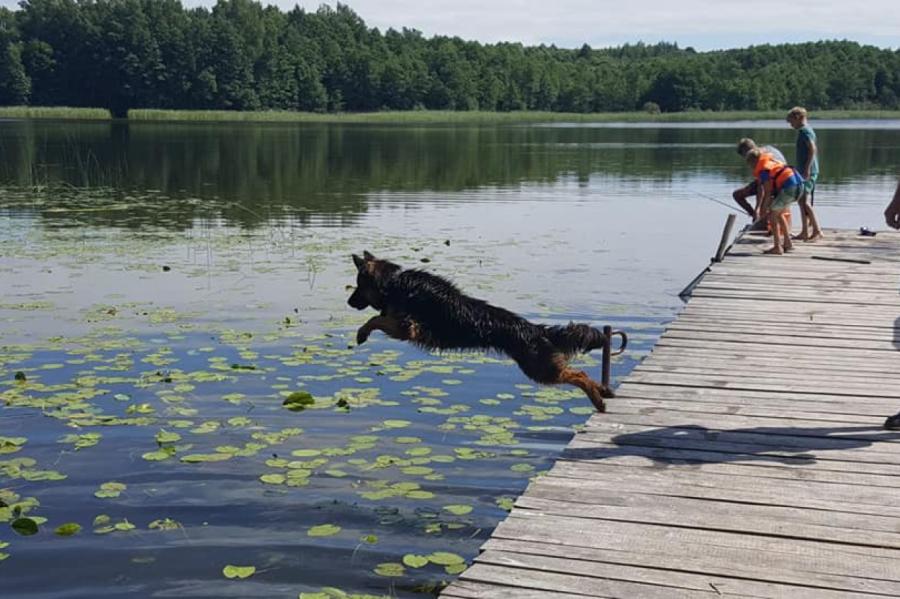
{"type": "Point", "coordinates": [358, 301]}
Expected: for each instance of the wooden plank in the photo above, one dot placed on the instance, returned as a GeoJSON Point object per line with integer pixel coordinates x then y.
{"type": "Point", "coordinates": [636, 456]}
{"type": "Point", "coordinates": [860, 442]}
{"type": "Point", "coordinates": [822, 376]}
{"type": "Point", "coordinates": [742, 397]}
{"type": "Point", "coordinates": [778, 412]}
{"type": "Point", "coordinates": [536, 580]}
{"type": "Point", "coordinates": [812, 558]}
{"type": "Point", "coordinates": [701, 484]}
{"type": "Point", "coordinates": [850, 388]}
{"type": "Point", "coordinates": [773, 572]}
{"type": "Point", "coordinates": [469, 589]}
{"type": "Point", "coordinates": [772, 520]}
{"type": "Point", "coordinates": [767, 328]}
{"type": "Point", "coordinates": [703, 583]}
{"type": "Point", "coordinates": [786, 338]}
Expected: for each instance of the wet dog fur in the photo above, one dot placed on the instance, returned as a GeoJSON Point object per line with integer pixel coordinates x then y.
{"type": "Point", "coordinates": [429, 311]}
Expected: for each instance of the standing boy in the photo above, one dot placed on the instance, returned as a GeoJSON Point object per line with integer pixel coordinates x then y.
{"type": "Point", "coordinates": [808, 165]}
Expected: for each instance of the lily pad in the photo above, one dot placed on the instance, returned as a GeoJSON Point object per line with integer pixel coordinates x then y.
{"type": "Point", "coordinates": [324, 530]}
{"type": "Point", "coordinates": [25, 526]}
{"type": "Point", "coordinates": [68, 529]}
{"type": "Point", "coordinates": [458, 510]}
{"type": "Point", "coordinates": [390, 569]}
{"type": "Point", "coordinates": [445, 558]}
{"type": "Point", "coordinates": [298, 401]}
{"type": "Point", "coordinates": [164, 436]}
{"type": "Point", "coordinates": [239, 572]}
{"type": "Point", "coordinates": [110, 490]}
{"type": "Point", "coordinates": [415, 561]}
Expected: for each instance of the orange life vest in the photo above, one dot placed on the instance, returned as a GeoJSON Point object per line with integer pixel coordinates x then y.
{"type": "Point", "coordinates": [778, 172]}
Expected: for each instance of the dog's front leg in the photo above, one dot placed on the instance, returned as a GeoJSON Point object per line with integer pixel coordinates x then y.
{"type": "Point", "coordinates": [390, 326]}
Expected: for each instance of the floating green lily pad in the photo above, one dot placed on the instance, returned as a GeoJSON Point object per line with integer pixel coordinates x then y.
{"type": "Point", "coordinates": [239, 572]}
{"type": "Point", "coordinates": [458, 510]}
{"type": "Point", "coordinates": [390, 569]}
{"type": "Point", "coordinates": [298, 401]}
{"type": "Point", "coordinates": [415, 561]}
{"type": "Point", "coordinates": [324, 530]}
{"type": "Point", "coordinates": [68, 529]}
{"type": "Point", "coordinates": [25, 526]}
{"type": "Point", "coordinates": [445, 558]}
{"type": "Point", "coordinates": [110, 490]}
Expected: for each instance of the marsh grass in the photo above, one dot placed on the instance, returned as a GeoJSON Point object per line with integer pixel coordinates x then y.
{"type": "Point", "coordinates": [466, 117]}
{"type": "Point", "coordinates": [54, 112]}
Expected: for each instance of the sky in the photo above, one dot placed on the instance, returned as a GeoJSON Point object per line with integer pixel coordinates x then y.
{"type": "Point", "coordinates": [702, 24]}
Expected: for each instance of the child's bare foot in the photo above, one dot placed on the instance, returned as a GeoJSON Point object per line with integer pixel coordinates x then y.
{"type": "Point", "coordinates": [801, 237]}
{"type": "Point", "coordinates": [789, 247]}
{"type": "Point", "coordinates": [776, 251]}
{"type": "Point", "coordinates": [815, 237]}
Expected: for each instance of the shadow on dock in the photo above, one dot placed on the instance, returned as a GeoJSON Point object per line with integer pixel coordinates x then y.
{"type": "Point", "coordinates": [783, 445]}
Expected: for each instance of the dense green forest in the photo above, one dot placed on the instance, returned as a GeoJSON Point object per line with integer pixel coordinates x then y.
{"type": "Point", "coordinates": [241, 55]}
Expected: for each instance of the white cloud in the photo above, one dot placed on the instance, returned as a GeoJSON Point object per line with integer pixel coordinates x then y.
{"type": "Point", "coordinates": [703, 24]}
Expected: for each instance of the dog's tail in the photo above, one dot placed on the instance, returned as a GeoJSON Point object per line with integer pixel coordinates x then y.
{"type": "Point", "coordinates": [575, 338]}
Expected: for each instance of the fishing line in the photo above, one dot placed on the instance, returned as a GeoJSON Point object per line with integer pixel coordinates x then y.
{"type": "Point", "coordinates": [717, 201]}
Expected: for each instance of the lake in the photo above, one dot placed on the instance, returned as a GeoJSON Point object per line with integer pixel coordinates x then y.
{"type": "Point", "coordinates": [165, 287]}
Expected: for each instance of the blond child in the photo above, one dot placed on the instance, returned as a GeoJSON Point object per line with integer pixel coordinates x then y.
{"type": "Point", "coordinates": [780, 186]}
{"type": "Point", "coordinates": [808, 164]}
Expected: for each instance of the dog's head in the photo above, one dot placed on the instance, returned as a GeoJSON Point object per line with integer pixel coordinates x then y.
{"type": "Point", "coordinates": [371, 276]}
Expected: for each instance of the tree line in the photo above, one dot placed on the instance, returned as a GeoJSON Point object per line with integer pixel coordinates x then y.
{"type": "Point", "coordinates": [241, 55]}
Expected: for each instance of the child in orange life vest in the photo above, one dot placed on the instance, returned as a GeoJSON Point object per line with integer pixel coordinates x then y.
{"type": "Point", "coordinates": [780, 186]}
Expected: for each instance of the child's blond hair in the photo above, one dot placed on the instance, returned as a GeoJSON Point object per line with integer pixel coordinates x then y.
{"type": "Point", "coordinates": [752, 156]}
{"type": "Point", "coordinates": [797, 112]}
{"type": "Point", "coordinates": [745, 145]}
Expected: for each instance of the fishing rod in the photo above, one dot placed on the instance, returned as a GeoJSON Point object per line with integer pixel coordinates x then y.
{"type": "Point", "coordinates": [717, 201]}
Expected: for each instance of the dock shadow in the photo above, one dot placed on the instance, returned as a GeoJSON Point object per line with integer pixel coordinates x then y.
{"type": "Point", "coordinates": [694, 443]}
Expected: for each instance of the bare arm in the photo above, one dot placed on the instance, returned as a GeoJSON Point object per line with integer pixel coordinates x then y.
{"type": "Point", "coordinates": [892, 212]}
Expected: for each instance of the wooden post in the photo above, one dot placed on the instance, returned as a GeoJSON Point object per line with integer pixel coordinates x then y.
{"type": "Point", "coordinates": [607, 356]}
{"type": "Point", "coordinates": [726, 235]}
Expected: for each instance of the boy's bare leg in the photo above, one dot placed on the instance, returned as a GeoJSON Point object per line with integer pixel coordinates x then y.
{"type": "Point", "coordinates": [785, 229]}
{"type": "Point", "coordinates": [775, 225]}
{"type": "Point", "coordinates": [815, 230]}
{"type": "Point", "coordinates": [804, 219]}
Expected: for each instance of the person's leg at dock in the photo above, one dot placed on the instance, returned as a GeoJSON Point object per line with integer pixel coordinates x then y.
{"type": "Point", "coordinates": [740, 196]}
{"type": "Point", "coordinates": [775, 225]}
{"type": "Point", "coordinates": [810, 230]}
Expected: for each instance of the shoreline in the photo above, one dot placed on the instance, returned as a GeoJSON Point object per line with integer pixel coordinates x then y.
{"type": "Point", "coordinates": [423, 117]}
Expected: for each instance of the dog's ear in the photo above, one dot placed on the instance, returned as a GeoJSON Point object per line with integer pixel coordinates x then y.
{"type": "Point", "coordinates": [359, 262]}
{"type": "Point", "coordinates": [369, 257]}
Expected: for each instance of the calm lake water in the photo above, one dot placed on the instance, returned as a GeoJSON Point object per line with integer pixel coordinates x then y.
{"type": "Point", "coordinates": [165, 287]}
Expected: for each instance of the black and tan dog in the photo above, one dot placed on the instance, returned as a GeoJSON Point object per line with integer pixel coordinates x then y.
{"type": "Point", "coordinates": [432, 313]}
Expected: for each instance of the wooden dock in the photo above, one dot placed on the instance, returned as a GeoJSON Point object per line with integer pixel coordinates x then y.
{"type": "Point", "coordinates": [745, 457]}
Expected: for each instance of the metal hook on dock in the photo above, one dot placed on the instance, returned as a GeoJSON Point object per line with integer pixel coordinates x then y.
{"type": "Point", "coordinates": [608, 353]}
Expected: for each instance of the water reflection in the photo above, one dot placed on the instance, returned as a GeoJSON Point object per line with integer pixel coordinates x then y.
{"type": "Point", "coordinates": [250, 173]}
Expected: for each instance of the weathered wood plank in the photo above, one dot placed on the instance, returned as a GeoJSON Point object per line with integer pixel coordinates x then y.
{"type": "Point", "coordinates": [811, 557]}
{"type": "Point", "coordinates": [774, 571]}
{"type": "Point", "coordinates": [773, 520]}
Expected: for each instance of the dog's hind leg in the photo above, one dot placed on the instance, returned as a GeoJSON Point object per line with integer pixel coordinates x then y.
{"type": "Point", "coordinates": [594, 390]}
{"type": "Point", "coordinates": [402, 330]}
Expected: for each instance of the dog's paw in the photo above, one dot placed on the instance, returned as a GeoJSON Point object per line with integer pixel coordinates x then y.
{"type": "Point", "coordinates": [362, 335]}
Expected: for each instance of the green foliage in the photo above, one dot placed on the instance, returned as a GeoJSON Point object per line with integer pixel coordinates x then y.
{"type": "Point", "coordinates": [244, 56]}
